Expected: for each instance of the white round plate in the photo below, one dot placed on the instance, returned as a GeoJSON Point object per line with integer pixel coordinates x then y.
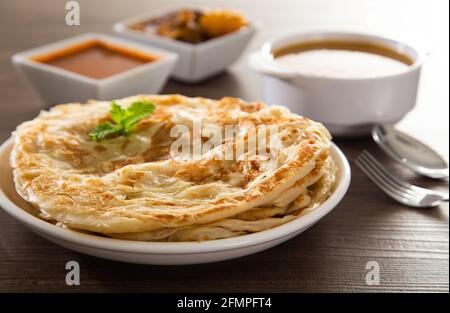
{"type": "Point", "coordinates": [166, 253]}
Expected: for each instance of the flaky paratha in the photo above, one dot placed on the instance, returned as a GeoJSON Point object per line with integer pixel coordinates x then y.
{"type": "Point", "coordinates": [130, 184]}
{"type": "Point", "coordinates": [250, 221]}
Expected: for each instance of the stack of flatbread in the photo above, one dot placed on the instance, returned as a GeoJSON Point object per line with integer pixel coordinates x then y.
{"type": "Point", "coordinates": [137, 187]}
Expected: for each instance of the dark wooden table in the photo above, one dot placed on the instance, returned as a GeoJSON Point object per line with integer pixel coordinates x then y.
{"type": "Point", "coordinates": [410, 245]}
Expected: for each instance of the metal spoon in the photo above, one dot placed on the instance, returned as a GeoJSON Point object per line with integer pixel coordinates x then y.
{"type": "Point", "coordinates": [410, 152]}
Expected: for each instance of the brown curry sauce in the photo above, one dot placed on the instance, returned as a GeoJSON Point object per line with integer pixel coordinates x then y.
{"type": "Point", "coordinates": [95, 59]}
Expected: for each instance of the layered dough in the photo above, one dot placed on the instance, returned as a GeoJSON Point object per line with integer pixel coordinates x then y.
{"type": "Point", "coordinates": [133, 187]}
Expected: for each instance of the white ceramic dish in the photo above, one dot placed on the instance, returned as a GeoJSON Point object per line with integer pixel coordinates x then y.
{"type": "Point", "coordinates": [55, 85]}
{"type": "Point", "coordinates": [346, 106]}
{"type": "Point", "coordinates": [196, 62]}
{"type": "Point", "coordinates": [159, 252]}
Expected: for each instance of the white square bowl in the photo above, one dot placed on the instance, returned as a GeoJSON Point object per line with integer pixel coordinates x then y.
{"type": "Point", "coordinates": [196, 62]}
{"type": "Point", "coordinates": [56, 85]}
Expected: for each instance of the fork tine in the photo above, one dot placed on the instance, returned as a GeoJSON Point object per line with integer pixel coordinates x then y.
{"type": "Point", "coordinates": [385, 172]}
{"type": "Point", "coordinates": [413, 191]}
{"type": "Point", "coordinates": [377, 180]}
{"type": "Point", "coordinates": [385, 175]}
{"type": "Point", "coordinates": [402, 192]}
{"type": "Point", "coordinates": [382, 181]}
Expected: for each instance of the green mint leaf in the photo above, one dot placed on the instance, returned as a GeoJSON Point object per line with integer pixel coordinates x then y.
{"type": "Point", "coordinates": [124, 120]}
{"type": "Point", "coordinates": [141, 107]}
{"type": "Point", "coordinates": [103, 131]}
{"type": "Point", "coordinates": [137, 111]}
{"type": "Point", "coordinates": [117, 113]}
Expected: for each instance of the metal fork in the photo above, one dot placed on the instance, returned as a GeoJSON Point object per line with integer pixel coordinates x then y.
{"type": "Point", "coordinates": [400, 191]}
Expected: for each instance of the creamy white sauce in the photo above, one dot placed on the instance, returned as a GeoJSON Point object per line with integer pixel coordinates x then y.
{"type": "Point", "coordinates": [341, 64]}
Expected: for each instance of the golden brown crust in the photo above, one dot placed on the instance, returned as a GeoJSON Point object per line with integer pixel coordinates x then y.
{"type": "Point", "coordinates": [130, 184]}
{"type": "Point", "coordinates": [317, 188]}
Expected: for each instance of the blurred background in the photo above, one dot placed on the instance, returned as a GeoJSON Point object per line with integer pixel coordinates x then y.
{"type": "Point", "coordinates": [26, 24]}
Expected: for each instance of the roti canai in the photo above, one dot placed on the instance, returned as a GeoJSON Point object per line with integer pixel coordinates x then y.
{"type": "Point", "coordinates": [133, 187]}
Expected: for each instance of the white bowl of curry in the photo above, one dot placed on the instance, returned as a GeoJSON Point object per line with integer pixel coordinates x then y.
{"type": "Point", "coordinates": [94, 66]}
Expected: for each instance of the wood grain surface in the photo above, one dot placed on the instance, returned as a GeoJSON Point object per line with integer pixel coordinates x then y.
{"type": "Point", "coordinates": [411, 245]}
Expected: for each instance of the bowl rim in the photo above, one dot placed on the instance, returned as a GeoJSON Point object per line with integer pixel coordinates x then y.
{"type": "Point", "coordinates": [49, 230]}
{"type": "Point", "coordinates": [264, 54]}
{"type": "Point", "coordinates": [122, 27]}
{"type": "Point", "coordinates": [164, 57]}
